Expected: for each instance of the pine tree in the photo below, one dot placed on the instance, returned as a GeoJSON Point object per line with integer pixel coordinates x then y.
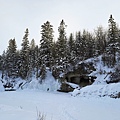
{"type": "Point", "coordinates": [31, 60]}
{"type": "Point", "coordinates": [46, 44]}
{"type": "Point", "coordinates": [3, 64]}
{"type": "Point", "coordinates": [62, 43]}
{"type": "Point", "coordinates": [11, 59]}
{"type": "Point", "coordinates": [24, 54]}
{"type": "Point", "coordinates": [112, 31]}
{"type": "Point", "coordinates": [45, 50]}
{"type": "Point", "coordinates": [37, 61]}
{"type": "Point", "coordinates": [90, 45]}
{"type": "Point", "coordinates": [84, 44]}
{"type": "Point", "coordinates": [79, 45]}
{"type": "Point", "coordinates": [71, 48]}
{"type": "Point", "coordinates": [54, 51]}
{"type": "Point", "coordinates": [109, 56]}
{"type": "Point", "coordinates": [32, 54]}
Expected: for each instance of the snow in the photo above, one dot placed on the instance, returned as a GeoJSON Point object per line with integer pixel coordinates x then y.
{"type": "Point", "coordinates": [102, 72]}
{"type": "Point", "coordinates": [1, 87]}
{"type": "Point", "coordinates": [73, 85]}
{"type": "Point", "coordinates": [110, 90]}
{"type": "Point", "coordinates": [88, 103]}
{"type": "Point", "coordinates": [25, 104]}
{"type": "Point", "coordinates": [48, 84]}
{"type": "Point", "coordinates": [99, 88]}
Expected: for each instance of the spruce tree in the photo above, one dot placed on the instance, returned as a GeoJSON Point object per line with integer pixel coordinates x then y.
{"type": "Point", "coordinates": [3, 64]}
{"type": "Point", "coordinates": [32, 54]}
{"type": "Point", "coordinates": [71, 49]}
{"type": "Point", "coordinates": [31, 60]}
{"type": "Point", "coordinates": [109, 56]}
{"type": "Point", "coordinates": [37, 61]}
{"type": "Point", "coordinates": [24, 54]}
{"type": "Point", "coordinates": [79, 45]}
{"type": "Point", "coordinates": [45, 50]}
{"type": "Point", "coordinates": [84, 44]}
{"type": "Point", "coordinates": [11, 59]}
{"type": "Point", "coordinates": [46, 44]}
{"type": "Point", "coordinates": [62, 43]}
{"type": "Point", "coordinates": [90, 46]}
{"type": "Point", "coordinates": [0, 62]}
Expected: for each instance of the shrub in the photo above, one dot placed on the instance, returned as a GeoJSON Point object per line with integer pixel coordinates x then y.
{"type": "Point", "coordinates": [40, 116]}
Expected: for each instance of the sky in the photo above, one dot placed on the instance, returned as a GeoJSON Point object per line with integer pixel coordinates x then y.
{"type": "Point", "coordinates": [17, 15]}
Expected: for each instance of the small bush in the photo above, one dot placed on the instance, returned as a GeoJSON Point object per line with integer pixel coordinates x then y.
{"type": "Point", "coordinates": [40, 116]}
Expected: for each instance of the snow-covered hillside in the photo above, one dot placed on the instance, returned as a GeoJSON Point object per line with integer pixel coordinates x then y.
{"type": "Point", "coordinates": [23, 105]}
{"type": "Point", "coordinates": [99, 88]}
{"type": "Point", "coordinates": [101, 72]}
{"type": "Point", "coordinates": [49, 84]}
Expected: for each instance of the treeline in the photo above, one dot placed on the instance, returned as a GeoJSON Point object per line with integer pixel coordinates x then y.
{"type": "Point", "coordinates": [61, 55]}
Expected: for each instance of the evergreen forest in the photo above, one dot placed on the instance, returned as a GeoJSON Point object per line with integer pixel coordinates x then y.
{"type": "Point", "coordinates": [60, 55]}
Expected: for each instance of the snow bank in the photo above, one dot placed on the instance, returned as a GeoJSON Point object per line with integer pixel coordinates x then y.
{"type": "Point", "coordinates": [1, 87]}
{"type": "Point", "coordinates": [49, 84]}
{"type": "Point", "coordinates": [102, 72]}
{"type": "Point", "coordinates": [112, 90]}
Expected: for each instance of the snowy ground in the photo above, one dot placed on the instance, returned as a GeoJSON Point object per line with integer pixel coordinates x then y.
{"type": "Point", "coordinates": [23, 105]}
{"type": "Point", "coordinates": [83, 104]}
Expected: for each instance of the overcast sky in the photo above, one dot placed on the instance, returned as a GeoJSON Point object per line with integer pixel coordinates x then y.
{"type": "Point", "coordinates": [17, 15]}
